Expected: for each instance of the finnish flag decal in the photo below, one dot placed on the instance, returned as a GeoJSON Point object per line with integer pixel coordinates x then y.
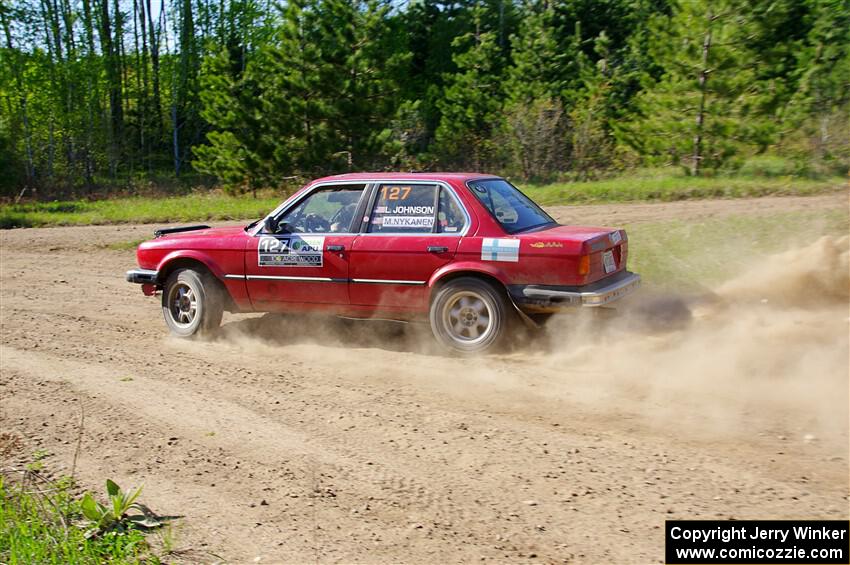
{"type": "Point", "coordinates": [495, 249]}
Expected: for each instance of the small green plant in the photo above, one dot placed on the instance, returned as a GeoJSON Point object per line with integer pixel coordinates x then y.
{"type": "Point", "coordinates": [116, 517]}
{"type": "Point", "coordinates": [37, 525]}
{"type": "Point", "coordinates": [37, 463]}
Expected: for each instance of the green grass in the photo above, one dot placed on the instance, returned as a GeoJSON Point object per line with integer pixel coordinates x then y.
{"type": "Point", "coordinates": [191, 208]}
{"type": "Point", "coordinates": [648, 185]}
{"type": "Point", "coordinates": [41, 527]}
{"type": "Point", "coordinates": [688, 255]}
{"type": "Point", "coordinates": [664, 186]}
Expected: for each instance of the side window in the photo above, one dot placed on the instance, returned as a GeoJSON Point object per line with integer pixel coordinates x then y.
{"type": "Point", "coordinates": [327, 210]}
{"type": "Point", "coordinates": [403, 208]}
{"type": "Point", "coordinates": [450, 217]}
{"type": "Point", "coordinates": [510, 207]}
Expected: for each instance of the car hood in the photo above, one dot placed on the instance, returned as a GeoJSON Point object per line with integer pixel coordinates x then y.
{"type": "Point", "coordinates": [203, 233]}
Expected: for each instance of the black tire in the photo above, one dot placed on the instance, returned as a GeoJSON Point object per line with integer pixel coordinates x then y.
{"type": "Point", "coordinates": [192, 303]}
{"type": "Point", "coordinates": [458, 313]}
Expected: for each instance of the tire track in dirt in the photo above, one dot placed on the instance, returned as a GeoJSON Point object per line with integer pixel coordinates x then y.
{"type": "Point", "coordinates": [183, 415]}
{"type": "Point", "coordinates": [408, 490]}
{"type": "Point", "coordinates": [403, 482]}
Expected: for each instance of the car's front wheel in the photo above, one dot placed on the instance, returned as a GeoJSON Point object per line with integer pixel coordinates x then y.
{"type": "Point", "coordinates": [191, 303]}
{"type": "Point", "coordinates": [469, 315]}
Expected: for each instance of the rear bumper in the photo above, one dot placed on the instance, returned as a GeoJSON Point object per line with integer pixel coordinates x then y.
{"type": "Point", "coordinates": [544, 298]}
{"type": "Point", "coordinates": [142, 276]}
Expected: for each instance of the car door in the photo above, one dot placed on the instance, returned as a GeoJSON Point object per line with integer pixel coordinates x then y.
{"type": "Point", "coordinates": [410, 230]}
{"type": "Point", "coordinates": [306, 260]}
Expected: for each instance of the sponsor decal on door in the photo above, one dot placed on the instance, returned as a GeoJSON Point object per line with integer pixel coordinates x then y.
{"type": "Point", "coordinates": [290, 251]}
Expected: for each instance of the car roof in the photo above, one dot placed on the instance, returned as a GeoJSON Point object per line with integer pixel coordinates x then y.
{"type": "Point", "coordinates": [440, 176]}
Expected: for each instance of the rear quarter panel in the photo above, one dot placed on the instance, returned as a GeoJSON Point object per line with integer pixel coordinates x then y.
{"type": "Point", "coordinates": [550, 266]}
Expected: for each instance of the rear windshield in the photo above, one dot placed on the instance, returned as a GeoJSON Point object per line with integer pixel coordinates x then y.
{"type": "Point", "coordinates": [511, 208]}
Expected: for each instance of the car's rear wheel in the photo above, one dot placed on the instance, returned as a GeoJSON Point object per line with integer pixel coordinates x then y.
{"type": "Point", "coordinates": [191, 303]}
{"type": "Point", "coordinates": [469, 315]}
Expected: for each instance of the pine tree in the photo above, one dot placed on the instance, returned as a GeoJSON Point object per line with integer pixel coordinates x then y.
{"type": "Point", "coordinates": [544, 56]}
{"type": "Point", "coordinates": [702, 110]}
{"type": "Point", "coordinates": [816, 128]}
{"type": "Point", "coordinates": [229, 107]}
{"type": "Point", "coordinates": [540, 67]}
{"type": "Point", "coordinates": [314, 100]}
{"type": "Point", "coordinates": [358, 79]}
{"type": "Point", "coordinates": [472, 103]}
{"type": "Point", "coordinates": [94, 93]}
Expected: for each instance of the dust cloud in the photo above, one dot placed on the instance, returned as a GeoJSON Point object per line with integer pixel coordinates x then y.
{"type": "Point", "coordinates": [765, 352]}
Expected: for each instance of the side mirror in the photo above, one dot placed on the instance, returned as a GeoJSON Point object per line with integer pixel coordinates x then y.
{"type": "Point", "coordinates": [270, 224]}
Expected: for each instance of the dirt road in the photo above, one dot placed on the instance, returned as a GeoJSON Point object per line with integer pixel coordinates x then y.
{"type": "Point", "coordinates": [282, 441]}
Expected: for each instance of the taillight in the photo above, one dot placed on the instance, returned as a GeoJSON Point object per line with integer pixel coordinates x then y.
{"type": "Point", "coordinates": [584, 265]}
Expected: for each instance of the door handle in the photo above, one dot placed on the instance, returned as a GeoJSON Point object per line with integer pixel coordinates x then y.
{"type": "Point", "coordinates": [437, 249]}
{"type": "Point", "coordinates": [336, 247]}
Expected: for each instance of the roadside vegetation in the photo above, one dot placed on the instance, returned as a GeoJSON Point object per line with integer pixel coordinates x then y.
{"type": "Point", "coordinates": [42, 522]}
{"type": "Point", "coordinates": [137, 210]}
{"type": "Point", "coordinates": [694, 255]}
{"type": "Point", "coordinates": [666, 185]}
{"type": "Point", "coordinates": [651, 185]}
{"type": "Point", "coordinates": [101, 98]}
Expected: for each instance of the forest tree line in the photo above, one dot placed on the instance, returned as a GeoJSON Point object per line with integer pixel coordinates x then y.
{"type": "Point", "coordinates": [100, 95]}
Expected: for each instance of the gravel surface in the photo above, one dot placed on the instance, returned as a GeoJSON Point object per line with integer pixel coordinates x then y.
{"type": "Point", "coordinates": [311, 441]}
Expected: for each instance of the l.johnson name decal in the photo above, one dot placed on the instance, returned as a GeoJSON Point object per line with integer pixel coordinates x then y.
{"type": "Point", "coordinates": [413, 210]}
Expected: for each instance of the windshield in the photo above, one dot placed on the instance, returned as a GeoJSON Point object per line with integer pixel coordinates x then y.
{"type": "Point", "coordinates": [513, 209]}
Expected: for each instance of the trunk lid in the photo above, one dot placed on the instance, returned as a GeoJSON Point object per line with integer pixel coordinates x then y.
{"type": "Point", "coordinates": [607, 248]}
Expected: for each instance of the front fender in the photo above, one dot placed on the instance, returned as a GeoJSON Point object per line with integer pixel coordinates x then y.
{"type": "Point", "coordinates": [194, 255]}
